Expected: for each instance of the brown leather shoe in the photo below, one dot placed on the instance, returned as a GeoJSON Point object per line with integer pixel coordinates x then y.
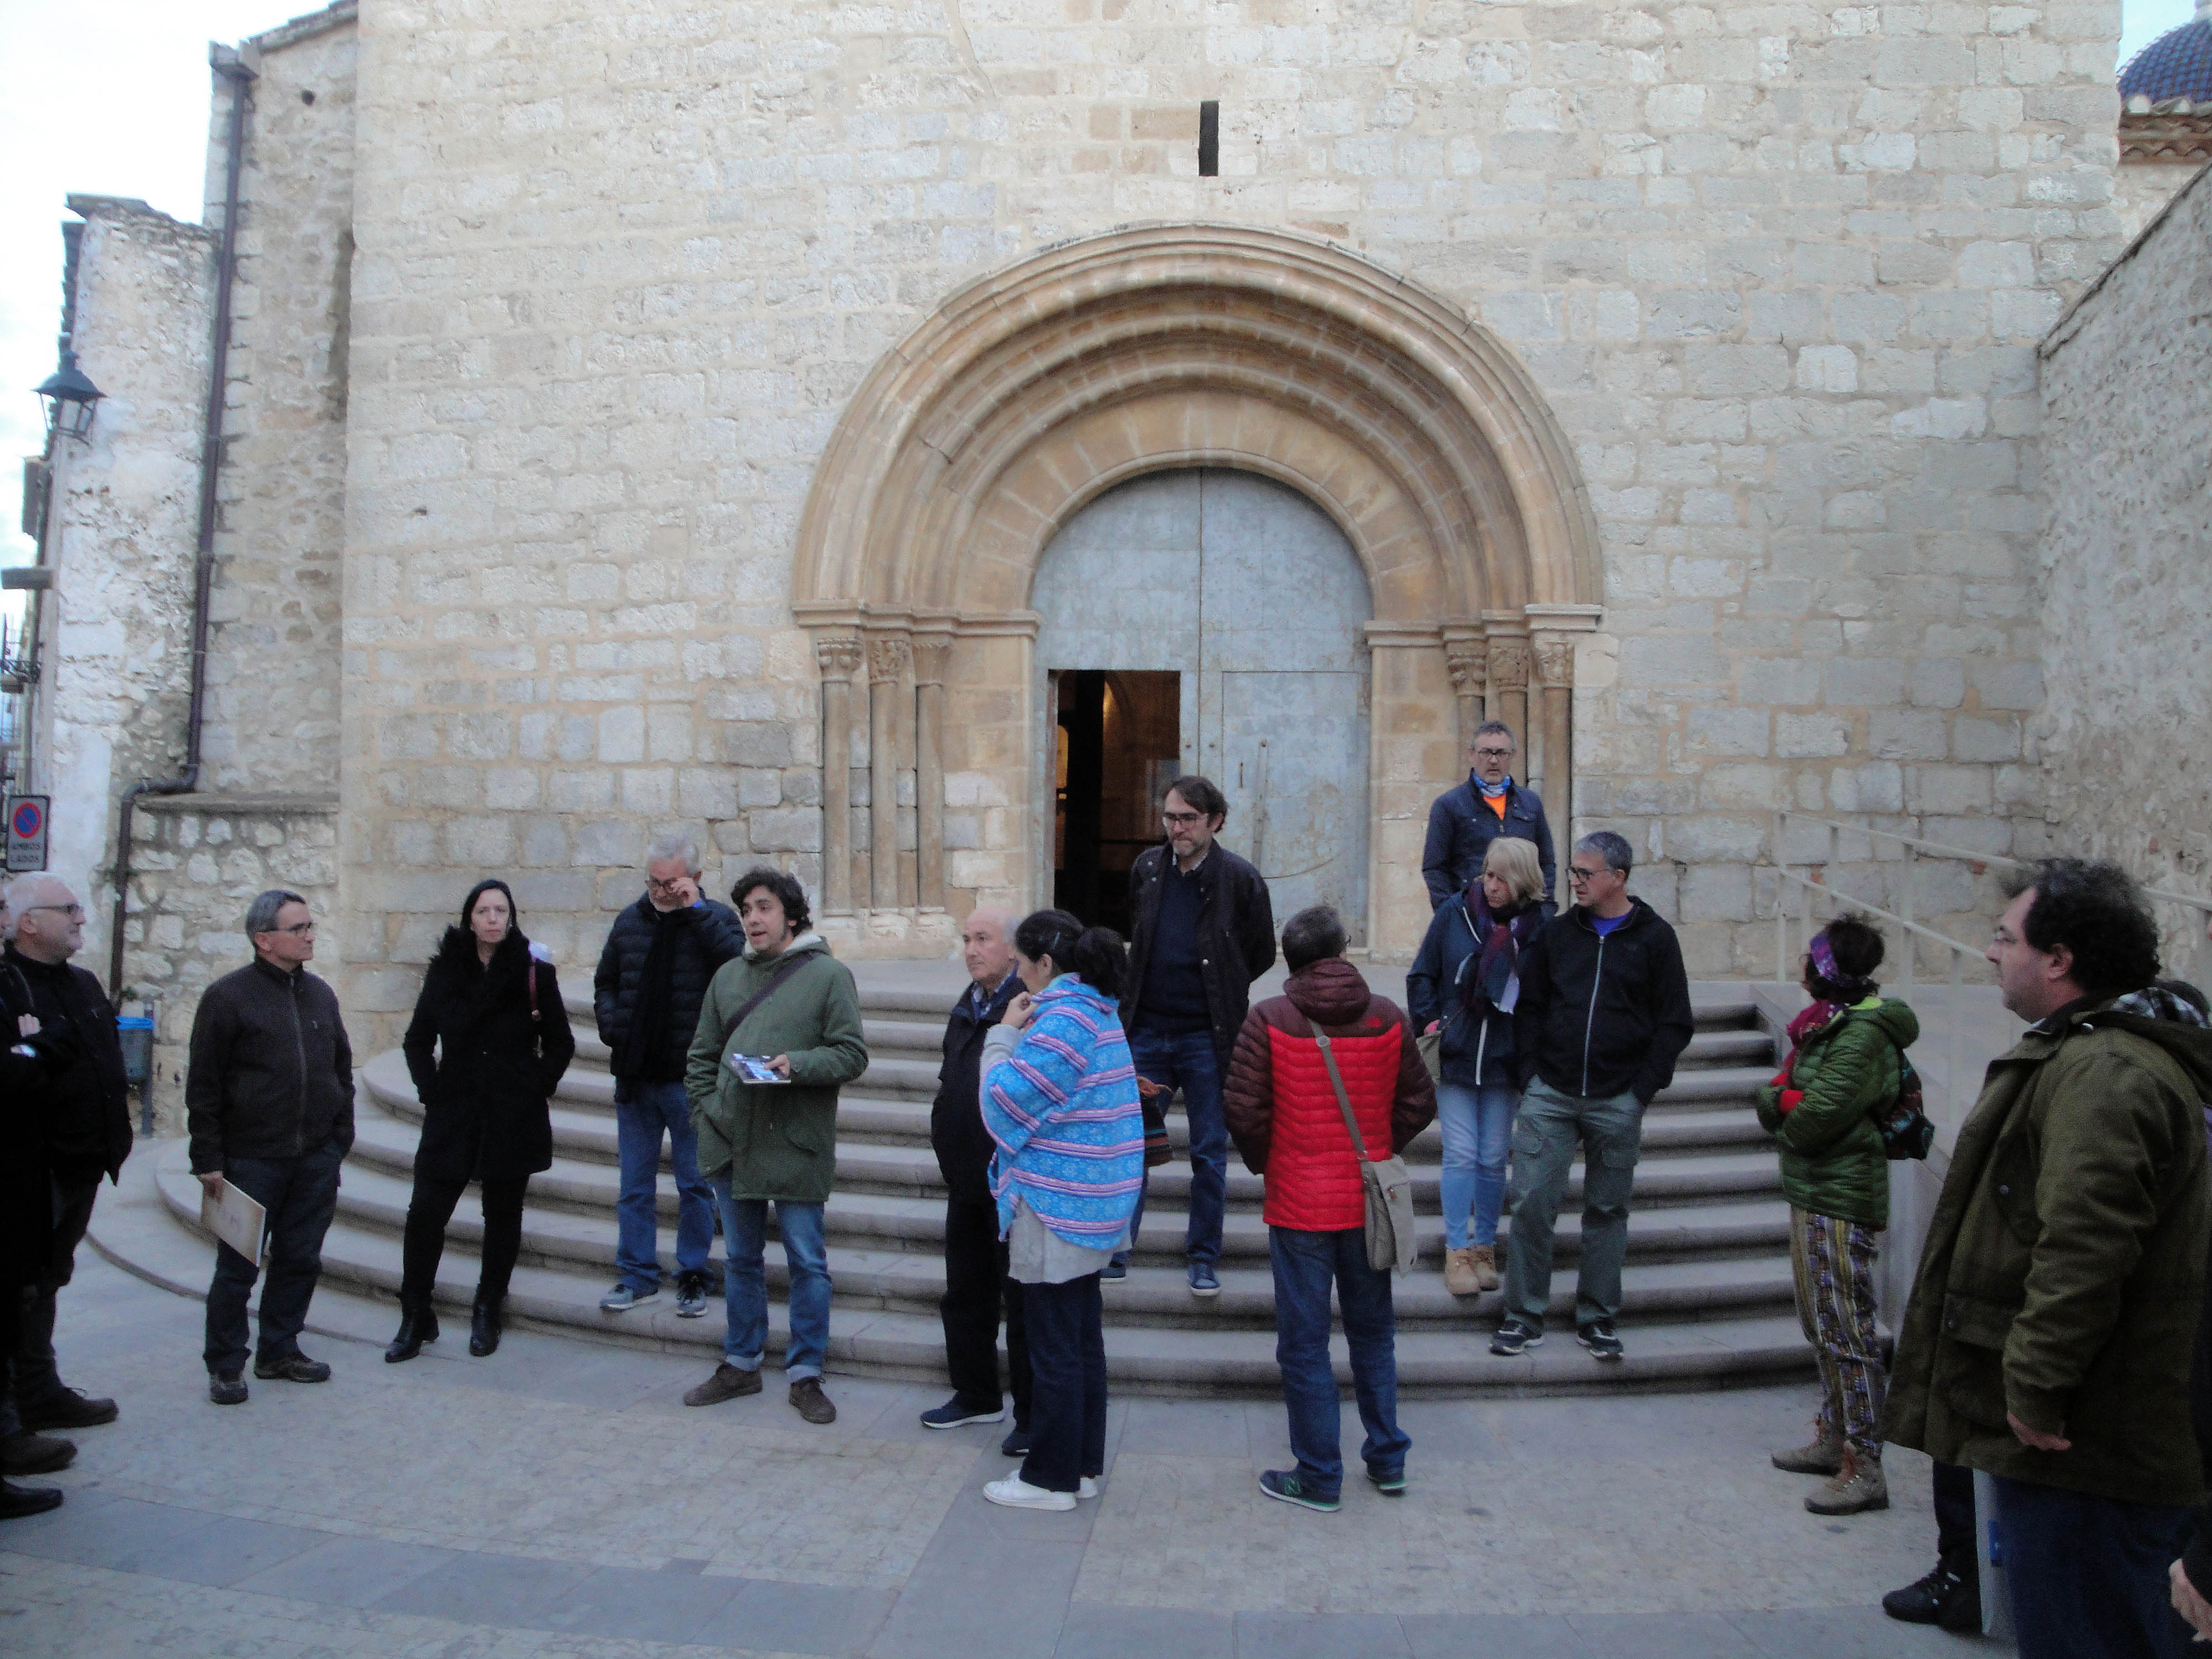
{"type": "Point", "coordinates": [727, 1383]}
{"type": "Point", "coordinates": [810, 1402]}
{"type": "Point", "coordinates": [1484, 1258]}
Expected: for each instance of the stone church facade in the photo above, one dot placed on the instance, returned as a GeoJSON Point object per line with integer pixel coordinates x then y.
{"type": "Point", "coordinates": [640, 415]}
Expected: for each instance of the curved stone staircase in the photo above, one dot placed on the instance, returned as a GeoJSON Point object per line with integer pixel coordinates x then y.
{"type": "Point", "coordinates": [1707, 1295]}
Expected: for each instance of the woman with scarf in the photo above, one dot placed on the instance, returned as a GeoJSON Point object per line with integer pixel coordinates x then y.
{"type": "Point", "coordinates": [487, 1047]}
{"type": "Point", "coordinates": [1846, 1063]}
{"type": "Point", "coordinates": [1462, 987]}
{"type": "Point", "coordinates": [1060, 1098]}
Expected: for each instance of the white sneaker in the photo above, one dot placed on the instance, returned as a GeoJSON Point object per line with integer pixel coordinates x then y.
{"type": "Point", "coordinates": [1017, 1493]}
{"type": "Point", "coordinates": [1086, 1487]}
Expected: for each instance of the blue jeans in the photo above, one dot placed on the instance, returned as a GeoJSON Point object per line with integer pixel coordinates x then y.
{"type": "Point", "coordinates": [1065, 1330]}
{"type": "Point", "coordinates": [1610, 1131]}
{"type": "Point", "coordinates": [745, 1283]}
{"type": "Point", "coordinates": [643, 1113]}
{"type": "Point", "coordinates": [2087, 1575]}
{"type": "Point", "coordinates": [1478, 1130]}
{"type": "Point", "coordinates": [1186, 1060]}
{"type": "Point", "coordinates": [301, 1195]}
{"type": "Point", "coordinates": [1306, 1264]}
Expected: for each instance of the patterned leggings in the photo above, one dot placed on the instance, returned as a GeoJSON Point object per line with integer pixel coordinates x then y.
{"type": "Point", "coordinates": [1833, 1261]}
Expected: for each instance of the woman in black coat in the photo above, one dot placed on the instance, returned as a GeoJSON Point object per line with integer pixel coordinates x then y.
{"type": "Point", "coordinates": [490, 1013]}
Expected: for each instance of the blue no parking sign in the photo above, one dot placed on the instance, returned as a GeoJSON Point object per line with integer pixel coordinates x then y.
{"type": "Point", "coordinates": [26, 833]}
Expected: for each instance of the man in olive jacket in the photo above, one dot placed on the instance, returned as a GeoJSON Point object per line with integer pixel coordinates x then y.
{"type": "Point", "coordinates": [791, 1008]}
{"type": "Point", "coordinates": [2050, 1331]}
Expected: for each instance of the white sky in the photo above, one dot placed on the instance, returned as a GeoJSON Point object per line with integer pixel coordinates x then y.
{"type": "Point", "coordinates": [129, 117]}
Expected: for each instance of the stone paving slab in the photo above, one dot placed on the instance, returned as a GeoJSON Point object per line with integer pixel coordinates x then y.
{"type": "Point", "coordinates": [558, 1499]}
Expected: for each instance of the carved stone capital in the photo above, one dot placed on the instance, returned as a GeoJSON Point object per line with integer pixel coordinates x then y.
{"type": "Point", "coordinates": [890, 658]}
{"type": "Point", "coordinates": [837, 658]}
{"type": "Point", "coordinates": [1509, 664]}
{"type": "Point", "coordinates": [933, 655]}
{"type": "Point", "coordinates": [1555, 661]}
{"type": "Point", "coordinates": [1464, 658]}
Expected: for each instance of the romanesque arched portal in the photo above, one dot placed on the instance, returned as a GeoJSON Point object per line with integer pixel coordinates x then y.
{"type": "Point", "coordinates": [1029, 393]}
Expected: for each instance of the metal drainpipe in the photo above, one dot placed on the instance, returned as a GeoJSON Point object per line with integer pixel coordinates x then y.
{"type": "Point", "coordinates": [240, 78]}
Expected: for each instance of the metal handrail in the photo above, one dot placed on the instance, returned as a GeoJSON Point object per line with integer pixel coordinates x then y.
{"type": "Point", "coordinates": [1946, 851]}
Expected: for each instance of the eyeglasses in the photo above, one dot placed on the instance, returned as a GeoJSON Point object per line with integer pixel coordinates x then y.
{"type": "Point", "coordinates": [298, 929]}
{"type": "Point", "coordinates": [74, 912]}
{"type": "Point", "coordinates": [1493, 754]}
{"type": "Point", "coordinates": [1578, 876]}
{"type": "Point", "coordinates": [1182, 820]}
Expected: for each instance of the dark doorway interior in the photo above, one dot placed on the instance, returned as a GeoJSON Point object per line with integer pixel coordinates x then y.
{"type": "Point", "coordinates": [1120, 743]}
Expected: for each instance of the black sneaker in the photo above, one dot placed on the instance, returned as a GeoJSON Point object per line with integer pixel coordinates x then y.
{"type": "Point", "coordinates": [1597, 1336]}
{"type": "Point", "coordinates": [291, 1368]}
{"type": "Point", "coordinates": [1950, 1600]}
{"type": "Point", "coordinates": [1513, 1338]}
{"type": "Point", "coordinates": [1391, 1483]}
{"type": "Point", "coordinates": [1016, 1443]}
{"type": "Point", "coordinates": [1285, 1488]}
{"type": "Point", "coordinates": [690, 1295]}
{"type": "Point", "coordinates": [952, 1414]}
{"type": "Point", "coordinates": [229, 1389]}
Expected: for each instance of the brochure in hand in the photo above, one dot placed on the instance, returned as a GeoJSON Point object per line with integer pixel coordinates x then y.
{"type": "Point", "coordinates": [755, 1069]}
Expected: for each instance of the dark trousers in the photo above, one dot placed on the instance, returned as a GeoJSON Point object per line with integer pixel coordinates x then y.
{"type": "Point", "coordinates": [301, 1195]}
{"type": "Point", "coordinates": [977, 1292]}
{"type": "Point", "coordinates": [431, 1205]}
{"type": "Point", "coordinates": [1189, 1061]}
{"type": "Point", "coordinates": [1955, 1543]}
{"type": "Point", "coordinates": [1067, 1338]}
{"type": "Point", "coordinates": [30, 1376]}
{"type": "Point", "coordinates": [1306, 1266]}
{"type": "Point", "coordinates": [2087, 1575]}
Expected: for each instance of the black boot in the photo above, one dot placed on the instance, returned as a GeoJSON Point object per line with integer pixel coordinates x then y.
{"type": "Point", "coordinates": [418, 1323]}
{"type": "Point", "coordinates": [484, 1323]}
{"type": "Point", "coordinates": [1950, 1597]}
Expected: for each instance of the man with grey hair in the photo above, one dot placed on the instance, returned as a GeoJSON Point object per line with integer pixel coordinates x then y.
{"type": "Point", "coordinates": [1603, 1016]}
{"type": "Point", "coordinates": [975, 1282]}
{"type": "Point", "coordinates": [1466, 818]}
{"type": "Point", "coordinates": [660, 955]}
{"type": "Point", "coordinates": [77, 1116]}
{"type": "Point", "coordinates": [269, 1106]}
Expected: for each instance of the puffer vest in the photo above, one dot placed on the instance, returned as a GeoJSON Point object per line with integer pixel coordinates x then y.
{"type": "Point", "coordinates": [1313, 1174]}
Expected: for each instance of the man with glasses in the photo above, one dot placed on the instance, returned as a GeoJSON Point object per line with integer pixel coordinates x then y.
{"type": "Point", "coordinates": [1467, 818]}
{"type": "Point", "coordinates": [1203, 931]}
{"type": "Point", "coordinates": [269, 1106]}
{"type": "Point", "coordinates": [81, 1117]}
{"type": "Point", "coordinates": [660, 955]}
{"type": "Point", "coordinates": [1603, 1016]}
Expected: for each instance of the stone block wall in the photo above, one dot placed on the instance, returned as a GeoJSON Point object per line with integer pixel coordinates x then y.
{"type": "Point", "coordinates": [2124, 760]}
{"type": "Point", "coordinates": [197, 860]}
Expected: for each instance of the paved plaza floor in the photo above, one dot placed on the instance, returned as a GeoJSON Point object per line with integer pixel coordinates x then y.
{"type": "Point", "coordinates": [558, 1498]}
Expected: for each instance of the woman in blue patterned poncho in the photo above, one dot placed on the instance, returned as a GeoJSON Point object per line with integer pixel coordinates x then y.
{"type": "Point", "coordinates": [1060, 1098]}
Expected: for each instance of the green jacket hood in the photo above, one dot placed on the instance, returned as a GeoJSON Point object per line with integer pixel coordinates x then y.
{"type": "Point", "coordinates": [803, 943]}
{"type": "Point", "coordinates": [1896, 1019]}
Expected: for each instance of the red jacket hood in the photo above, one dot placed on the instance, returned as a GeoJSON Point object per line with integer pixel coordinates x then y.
{"type": "Point", "coordinates": [1329, 992]}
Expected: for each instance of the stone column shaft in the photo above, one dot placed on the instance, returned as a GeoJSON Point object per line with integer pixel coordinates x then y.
{"type": "Point", "coordinates": [838, 659]}
{"type": "Point", "coordinates": [890, 717]}
{"type": "Point", "coordinates": [1555, 672]}
{"type": "Point", "coordinates": [929, 663]}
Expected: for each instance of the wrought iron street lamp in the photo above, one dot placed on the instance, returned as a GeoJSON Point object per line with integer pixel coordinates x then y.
{"type": "Point", "coordinates": [69, 398]}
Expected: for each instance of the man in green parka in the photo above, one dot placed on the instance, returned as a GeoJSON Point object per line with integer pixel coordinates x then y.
{"type": "Point", "coordinates": [779, 1034]}
{"type": "Point", "coordinates": [2051, 1325]}
{"type": "Point", "coordinates": [1845, 1064]}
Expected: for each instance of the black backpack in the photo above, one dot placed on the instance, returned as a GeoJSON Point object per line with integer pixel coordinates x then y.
{"type": "Point", "coordinates": [1905, 1130]}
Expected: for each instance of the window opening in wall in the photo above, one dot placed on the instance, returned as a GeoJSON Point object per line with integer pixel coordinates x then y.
{"type": "Point", "coordinates": [1209, 139]}
{"type": "Point", "coordinates": [1119, 743]}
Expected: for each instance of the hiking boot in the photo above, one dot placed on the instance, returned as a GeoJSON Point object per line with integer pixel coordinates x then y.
{"type": "Point", "coordinates": [1459, 1273]}
{"type": "Point", "coordinates": [291, 1368]}
{"type": "Point", "coordinates": [1855, 1488]}
{"type": "Point", "coordinates": [16, 1502]}
{"type": "Point", "coordinates": [67, 1409]}
{"type": "Point", "coordinates": [1484, 1257]}
{"type": "Point", "coordinates": [810, 1403]}
{"type": "Point", "coordinates": [727, 1383]}
{"type": "Point", "coordinates": [35, 1454]}
{"type": "Point", "coordinates": [1599, 1338]}
{"type": "Point", "coordinates": [1513, 1338]}
{"type": "Point", "coordinates": [690, 1295]}
{"type": "Point", "coordinates": [1285, 1488]}
{"type": "Point", "coordinates": [1825, 1455]}
{"type": "Point", "coordinates": [226, 1388]}
{"type": "Point", "coordinates": [1949, 1598]}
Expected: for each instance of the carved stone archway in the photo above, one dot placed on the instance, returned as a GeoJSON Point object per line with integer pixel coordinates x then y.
{"type": "Point", "coordinates": [1027, 393]}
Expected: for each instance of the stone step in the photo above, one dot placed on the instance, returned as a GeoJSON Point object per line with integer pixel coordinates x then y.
{"type": "Point", "coordinates": [1183, 1360]}
{"type": "Point", "coordinates": [1700, 1221]}
{"type": "Point", "coordinates": [375, 1200]}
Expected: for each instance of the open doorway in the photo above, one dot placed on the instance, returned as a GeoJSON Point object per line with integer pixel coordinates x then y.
{"type": "Point", "coordinates": [1120, 742]}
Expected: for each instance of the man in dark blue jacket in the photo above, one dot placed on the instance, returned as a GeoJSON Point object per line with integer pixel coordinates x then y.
{"type": "Point", "coordinates": [1603, 1016]}
{"type": "Point", "coordinates": [660, 955]}
{"type": "Point", "coordinates": [1466, 819]}
{"type": "Point", "coordinates": [974, 1257]}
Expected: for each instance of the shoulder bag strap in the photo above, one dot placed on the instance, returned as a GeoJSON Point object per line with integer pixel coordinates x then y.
{"type": "Point", "coordinates": [1343, 1100]}
{"type": "Point", "coordinates": [763, 993]}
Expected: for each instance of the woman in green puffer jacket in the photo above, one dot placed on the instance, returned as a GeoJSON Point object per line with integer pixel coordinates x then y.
{"type": "Point", "coordinates": [1846, 1063]}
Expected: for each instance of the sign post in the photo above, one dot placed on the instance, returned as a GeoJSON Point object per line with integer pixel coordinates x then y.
{"type": "Point", "coordinates": [26, 833]}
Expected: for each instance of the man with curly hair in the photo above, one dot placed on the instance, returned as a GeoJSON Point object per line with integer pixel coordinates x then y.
{"type": "Point", "coordinates": [2052, 1322]}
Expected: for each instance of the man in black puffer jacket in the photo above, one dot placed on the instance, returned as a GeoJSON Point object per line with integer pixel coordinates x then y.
{"type": "Point", "coordinates": [660, 955]}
